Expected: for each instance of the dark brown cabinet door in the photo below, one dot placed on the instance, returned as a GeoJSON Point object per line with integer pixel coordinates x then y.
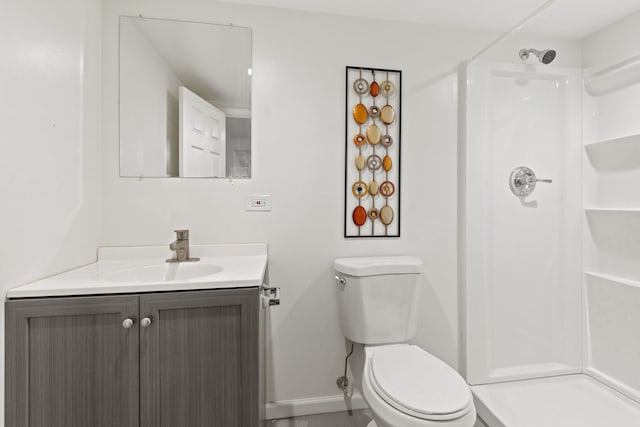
{"type": "Point", "coordinates": [70, 362]}
{"type": "Point", "coordinates": [199, 359]}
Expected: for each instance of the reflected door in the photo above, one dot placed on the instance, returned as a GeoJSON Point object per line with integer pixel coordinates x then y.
{"type": "Point", "coordinates": [202, 137]}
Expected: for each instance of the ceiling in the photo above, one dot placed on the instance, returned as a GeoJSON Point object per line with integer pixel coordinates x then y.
{"type": "Point", "coordinates": [563, 18]}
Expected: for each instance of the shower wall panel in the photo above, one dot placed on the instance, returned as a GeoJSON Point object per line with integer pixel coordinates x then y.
{"type": "Point", "coordinates": [611, 248]}
{"type": "Point", "coordinates": [522, 260]}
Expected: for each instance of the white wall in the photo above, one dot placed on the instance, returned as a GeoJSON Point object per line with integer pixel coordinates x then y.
{"type": "Point", "coordinates": [49, 134]}
{"type": "Point", "coordinates": [298, 118]}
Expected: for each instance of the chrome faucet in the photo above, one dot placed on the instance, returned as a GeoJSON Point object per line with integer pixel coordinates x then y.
{"type": "Point", "coordinates": [181, 247]}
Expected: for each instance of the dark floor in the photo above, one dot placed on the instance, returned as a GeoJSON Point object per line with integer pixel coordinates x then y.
{"type": "Point", "coordinates": [336, 419]}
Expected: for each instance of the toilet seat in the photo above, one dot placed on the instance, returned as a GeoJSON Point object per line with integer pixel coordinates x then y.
{"type": "Point", "coordinates": [418, 384]}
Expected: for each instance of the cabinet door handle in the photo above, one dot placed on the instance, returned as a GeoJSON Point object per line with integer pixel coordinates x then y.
{"type": "Point", "coordinates": [146, 322]}
{"type": "Point", "coordinates": [127, 323]}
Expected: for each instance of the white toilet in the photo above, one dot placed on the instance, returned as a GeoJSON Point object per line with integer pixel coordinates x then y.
{"type": "Point", "coordinates": [403, 385]}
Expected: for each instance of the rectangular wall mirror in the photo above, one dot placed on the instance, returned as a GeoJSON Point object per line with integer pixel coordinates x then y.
{"type": "Point", "coordinates": [185, 99]}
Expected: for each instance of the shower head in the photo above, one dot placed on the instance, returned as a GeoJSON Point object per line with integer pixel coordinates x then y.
{"type": "Point", "coordinates": [544, 56]}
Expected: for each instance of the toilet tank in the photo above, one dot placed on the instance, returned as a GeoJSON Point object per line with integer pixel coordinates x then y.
{"type": "Point", "coordinates": [378, 298]}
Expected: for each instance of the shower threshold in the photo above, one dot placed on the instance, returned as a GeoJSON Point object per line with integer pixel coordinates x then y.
{"type": "Point", "coordinates": [561, 401]}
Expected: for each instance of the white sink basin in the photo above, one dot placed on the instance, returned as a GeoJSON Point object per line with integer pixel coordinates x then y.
{"type": "Point", "coordinates": [137, 269]}
{"type": "Point", "coordinates": [165, 272]}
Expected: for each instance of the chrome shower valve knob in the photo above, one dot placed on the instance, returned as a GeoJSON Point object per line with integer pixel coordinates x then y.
{"type": "Point", "coordinates": [522, 181]}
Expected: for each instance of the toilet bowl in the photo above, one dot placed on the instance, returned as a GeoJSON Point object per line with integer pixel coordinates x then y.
{"type": "Point", "coordinates": [405, 386]}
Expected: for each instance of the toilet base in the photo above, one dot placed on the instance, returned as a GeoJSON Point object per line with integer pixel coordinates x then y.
{"type": "Point", "coordinates": [385, 415]}
{"type": "Point", "coordinates": [372, 424]}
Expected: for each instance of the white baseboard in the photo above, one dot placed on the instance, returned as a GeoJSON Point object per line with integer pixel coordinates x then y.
{"type": "Point", "coordinates": [317, 405]}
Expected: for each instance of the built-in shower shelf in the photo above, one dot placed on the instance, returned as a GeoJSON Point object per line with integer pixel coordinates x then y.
{"type": "Point", "coordinates": [612, 278]}
{"type": "Point", "coordinates": [625, 143]}
{"type": "Point", "coordinates": [621, 75]}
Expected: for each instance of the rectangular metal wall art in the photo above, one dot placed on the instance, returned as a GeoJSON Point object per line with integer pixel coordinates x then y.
{"type": "Point", "coordinates": [372, 158]}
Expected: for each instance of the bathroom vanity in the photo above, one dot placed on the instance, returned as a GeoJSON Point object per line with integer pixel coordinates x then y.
{"type": "Point", "coordinates": [130, 341]}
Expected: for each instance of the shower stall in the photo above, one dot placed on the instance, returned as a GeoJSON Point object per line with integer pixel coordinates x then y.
{"type": "Point", "coordinates": [549, 224]}
{"type": "Point", "coordinates": [523, 252]}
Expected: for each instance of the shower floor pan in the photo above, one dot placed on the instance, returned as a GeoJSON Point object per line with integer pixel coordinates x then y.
{"type": "Point", "coordinates": [562, 401]}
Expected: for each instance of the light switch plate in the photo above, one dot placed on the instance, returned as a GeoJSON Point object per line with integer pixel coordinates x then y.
{"type": "Point", "coordinates": [258, 202]}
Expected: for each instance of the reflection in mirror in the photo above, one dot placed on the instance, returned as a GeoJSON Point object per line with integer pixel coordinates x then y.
{"type": "Point", "coordinates": [185, 99]}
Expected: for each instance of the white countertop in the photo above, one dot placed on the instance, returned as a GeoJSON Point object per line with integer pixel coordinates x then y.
{"type": "Point", "coordinates": [240, 265]}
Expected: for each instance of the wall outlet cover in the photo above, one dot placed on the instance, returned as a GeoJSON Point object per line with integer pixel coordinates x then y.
{"type": "Point", "coordinates": [258, 202]}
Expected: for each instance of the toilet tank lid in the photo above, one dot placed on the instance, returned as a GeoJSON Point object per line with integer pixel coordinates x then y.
{"type": "Point", "coordinates": [371, 266]}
